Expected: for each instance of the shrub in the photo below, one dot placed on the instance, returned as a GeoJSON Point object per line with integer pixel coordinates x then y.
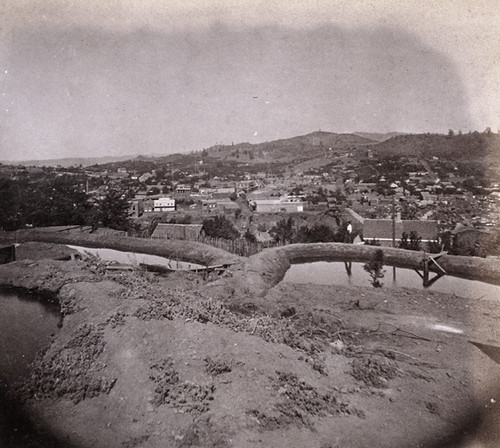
{"type": "Point", "coordinates": [375, 268]}
{"type": "Point", "coordinates": [220, 227]}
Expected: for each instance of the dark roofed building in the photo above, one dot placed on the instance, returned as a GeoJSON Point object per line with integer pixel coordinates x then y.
{"type": "Point", "coordinates": [189, 232]}
{"type": "Point", "coordinates": [381, 230]}
{"type": "Point", "coordinates": [426, 229]}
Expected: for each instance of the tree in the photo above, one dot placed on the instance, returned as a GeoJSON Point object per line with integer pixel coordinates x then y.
{"type": "Point", "coordinates": [220, 227]}
{"type": "Point", "coordinates": [435, 247]}
{"type": "Point", "coordinates": [413, 243]}
{"type": "Point", "coordinates": [48, 201]}
{"type": "Point", "coordinates": [249, 236]}
{"type": "Point", "coordinates": [375, 268]}
{"type": "Point", "coordinates": [113, 211]}
{"type": "Point", "coordinates": [319, 233]}
{"type": "Point", "coordinates": [283, 231]}
{"type": "Point", "coordinates": [13, 199]}
{"type": "Point", "coordinates": [409, 210]}
{"type": "Point", "coordinates": [339, 196]}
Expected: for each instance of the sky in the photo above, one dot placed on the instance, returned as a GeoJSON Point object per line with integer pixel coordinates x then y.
{"type": "Point", "coordinates": [124, 77]}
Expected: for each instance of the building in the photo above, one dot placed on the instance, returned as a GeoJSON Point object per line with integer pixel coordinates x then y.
{"type": "Point", "coordinates": [227, 206]}
{"type": "Point", "coordinates": [381, 230]}
{"type": "Point", "coordinates": [190, 232]}
{"type": "Point", "coordinates": [145, 177]}
{"type": "Point", "coordinates": [148, 205]}
{"type": "Point", "coordinates": [427, 198]}
{"type": "Point", "coordinates": [182, 188]}
{"type": "Point", "coordinates": [164, 205]}
{"type": "Point", "coordinates": [286, 204]}
{"type": "Point", "coordinates": [209, 205]}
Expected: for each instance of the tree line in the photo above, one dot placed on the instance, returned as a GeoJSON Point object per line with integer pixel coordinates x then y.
{"type": "Point", "coordinates": [59, 200]}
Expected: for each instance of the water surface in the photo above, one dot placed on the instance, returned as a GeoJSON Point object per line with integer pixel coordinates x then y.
{"type": "Point", "coordinates": [135, 259]}
{"type": "Point", "coordinates": [27, 325]}
{"type": "Point", "coordinates": [335, 273]}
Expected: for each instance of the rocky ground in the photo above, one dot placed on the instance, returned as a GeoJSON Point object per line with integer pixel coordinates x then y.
{"type": "Point", "coordinates": [186, 360]}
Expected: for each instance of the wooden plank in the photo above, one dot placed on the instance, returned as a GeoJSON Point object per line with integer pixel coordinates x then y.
{"type": "Point", "coordinates": [437, 265]}
{"type": "Point", "coordinates": [418, 272]}
{"type": "Point", "coordinates": [119, 268]}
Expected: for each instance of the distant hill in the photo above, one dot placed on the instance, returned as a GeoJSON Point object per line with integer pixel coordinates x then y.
{"type": "Point", "coordinates": [470, 146]}
{"type": "Point", "coordinates": [71, 161]}
{"type": "Point", "coordinates": [287, 150]}
{"type": "Point", "coordinates": [378, 136]}
{"type": "Point", "coordinates": [312, 150]}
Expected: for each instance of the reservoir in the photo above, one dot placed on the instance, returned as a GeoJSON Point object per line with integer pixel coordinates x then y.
{"type": "Point", "coordinates": [27, 326]}
{"type": "Point", "coordinates": [335, 273]}
{"type": "Point", "coordinates": [136, 259]}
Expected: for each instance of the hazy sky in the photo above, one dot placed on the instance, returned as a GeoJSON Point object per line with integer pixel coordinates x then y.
{"type": "Point", "coordinates": [109, 77]}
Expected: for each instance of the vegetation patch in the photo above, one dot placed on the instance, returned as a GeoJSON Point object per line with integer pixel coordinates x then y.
{"type": "Point", "coordinates": [372, 372]}
{"type": "Point", "coordinates": [218, 366]}
{"type": "Point", "coordinates": [116, 319]}
{"type": "Point", "coordinates": [300, 402]}
{"type": "Point", "coordinates": [71, 371]}
{"type": "Point", "coordinates": [170, 390]}
{"type": "Point", "coordinates": [154, 310]}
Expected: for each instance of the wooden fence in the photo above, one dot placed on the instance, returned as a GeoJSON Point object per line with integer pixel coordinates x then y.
{"type": "Point", "coordinates": [241, 246]}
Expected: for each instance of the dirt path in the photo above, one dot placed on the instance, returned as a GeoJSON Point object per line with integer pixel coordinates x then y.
{"type": "Point", "coordinates": [183, 361]}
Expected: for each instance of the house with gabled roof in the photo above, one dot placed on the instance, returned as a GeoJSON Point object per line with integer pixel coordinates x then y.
{"type": "Point", "coordinates": [189, 232]}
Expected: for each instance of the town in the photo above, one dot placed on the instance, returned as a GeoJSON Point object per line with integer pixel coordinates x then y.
{"type": "Point", "coordinates": [426, 191]}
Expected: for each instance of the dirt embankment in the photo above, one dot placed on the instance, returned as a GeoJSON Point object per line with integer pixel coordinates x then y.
{"type": "Point", "coordinates": [189, 251]}
{"type": "Point", "coordinates": [187, 361]}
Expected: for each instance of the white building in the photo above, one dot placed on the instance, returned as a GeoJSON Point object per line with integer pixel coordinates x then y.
{"type": "Point", "coordinates": [288, 204]}
{"type": "Point", "coordinates": [182, 188]}
{"type": "Point", "coordinates": [164, 205]}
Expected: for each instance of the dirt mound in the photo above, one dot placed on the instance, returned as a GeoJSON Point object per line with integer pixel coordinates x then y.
{"type": "Point", "coordinates": [145, 361]}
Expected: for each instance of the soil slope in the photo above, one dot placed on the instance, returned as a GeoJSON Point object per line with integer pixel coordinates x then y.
{"type": "Point", "coordinates": [191, 361]}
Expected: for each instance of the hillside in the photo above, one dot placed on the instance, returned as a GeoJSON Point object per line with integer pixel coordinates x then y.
{"type": "Point", "coordinates": [298, 148]}
{"type": "Point", "coordinates": [308, 151]}
{"type": "Point", "coordinates": [467, 146]}
{"type": "Point", "coordinates": [377, 136]}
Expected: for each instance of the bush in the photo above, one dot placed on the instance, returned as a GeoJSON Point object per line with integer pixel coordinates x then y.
{"type": "Point", "coordinates": [413, 243]}
{"type": "Point", "coordinates": [220, 227]}
{"type": "Point", "coordinates": [375, 268]}
{"type": "Point", "coordinates": [249, 236]}
{"type": "Point", "coordinates": [283, 231]}
{"type": "Point", "coordinates": [319, 233]}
